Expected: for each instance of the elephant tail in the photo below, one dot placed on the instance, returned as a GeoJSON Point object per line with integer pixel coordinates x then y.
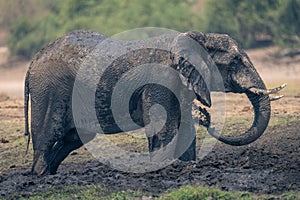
{"type": "Point", "coordinates": [26, 102]}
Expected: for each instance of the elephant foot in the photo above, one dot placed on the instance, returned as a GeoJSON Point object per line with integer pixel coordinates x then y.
{"type": "Point", "coordinates": [40, 167]}
{"type": "Point", "coordinates": [188, 157]}
{"type": "Point", "coordinates": [43, 170]}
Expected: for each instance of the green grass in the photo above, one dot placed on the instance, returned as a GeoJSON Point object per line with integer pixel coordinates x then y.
{"type": "Point", "coordinates": [284, 120]}
{"type": "Point", "coordinates": [196, 193]}
{"type": "Point", "coordinates": [238, 124]}
{"type": "Point", "coordinates": [291, 89]}
{"type": "Point", "coordinates": [13, 150]}
{"type": "Point", "coordinates": [82, 192]}
{"type": "Point", "coordinates": [183, 193]}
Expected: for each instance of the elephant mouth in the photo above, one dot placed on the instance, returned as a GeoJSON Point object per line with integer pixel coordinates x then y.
{"type": "Point", "coordinates": [260, 101]}
{"type": "Point", "coordinates": [202, 115]}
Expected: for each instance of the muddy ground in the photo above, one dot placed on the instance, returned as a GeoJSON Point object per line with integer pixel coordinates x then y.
{"type": "Point", "coordinates": [269, 165]}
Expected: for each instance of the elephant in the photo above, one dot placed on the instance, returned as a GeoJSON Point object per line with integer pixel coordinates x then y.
{"type": "Point", "coordinates": [51, 76]}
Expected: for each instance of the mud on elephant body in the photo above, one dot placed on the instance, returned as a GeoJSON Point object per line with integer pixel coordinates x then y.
{"type": "Point", "coordinates": [51, 76]}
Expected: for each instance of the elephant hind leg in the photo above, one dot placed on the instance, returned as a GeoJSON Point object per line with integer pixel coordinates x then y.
{"type": "Point", "coordinates": [63, 148]}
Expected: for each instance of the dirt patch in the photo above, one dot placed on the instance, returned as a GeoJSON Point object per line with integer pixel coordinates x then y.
{"type": "Point", "coordinates": [3, 55]}
{"type": "Point", "coordinates": [3, 96]}
{"type": "Point", "coordinates": [12, 77]}
{"type": "Point", "coordinates": [274, 69]}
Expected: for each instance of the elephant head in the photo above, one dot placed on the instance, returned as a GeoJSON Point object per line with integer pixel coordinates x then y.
{"type": "Point", "coordinates": [239, 76]}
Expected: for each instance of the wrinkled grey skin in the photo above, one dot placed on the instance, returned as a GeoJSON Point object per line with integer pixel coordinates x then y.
{"type": "Point", "coordinates": [51, 75]}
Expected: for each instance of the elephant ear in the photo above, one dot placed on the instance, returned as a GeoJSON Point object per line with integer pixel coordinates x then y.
{"type": "Point", "coordinates": [190, 60]}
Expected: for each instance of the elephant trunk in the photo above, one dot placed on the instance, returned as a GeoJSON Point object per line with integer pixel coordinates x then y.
{"type": "Point", "coordinates": [262, 109]}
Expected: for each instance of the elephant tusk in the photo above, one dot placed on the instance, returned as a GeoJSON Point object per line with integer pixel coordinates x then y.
{"type": "Point", "coordinates": [212, 131]}
{"type": "Point", "coordinates": [267, 91]}
{"type": "Point", "coordinates": [276, 98]}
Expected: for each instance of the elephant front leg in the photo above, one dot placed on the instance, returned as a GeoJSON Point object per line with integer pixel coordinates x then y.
{"type": "Point", "coordinates": [176, 140]}
{"type": "Point", "coordinates": [186, 142]}
{"type": "Point", "coordinates": [162, 146]}
{"type": "Point", "coordinates": [163, 141]}
{"type": "Point", "coordinates": [169, 145]}
{"type": "Point", "coordinates": [190, 153]}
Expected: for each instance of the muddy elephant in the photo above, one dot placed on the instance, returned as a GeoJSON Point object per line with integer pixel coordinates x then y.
{"type": "Point", "coordinates": [50, 80]}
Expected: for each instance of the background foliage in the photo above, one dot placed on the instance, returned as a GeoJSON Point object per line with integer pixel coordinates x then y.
{"type": "Point", "coordinates": [256, 22]}
{"type": "Point", "coordinates": [31, 24]}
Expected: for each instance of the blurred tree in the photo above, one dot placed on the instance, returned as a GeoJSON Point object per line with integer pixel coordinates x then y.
{"type": "Point", "coordinates": [106, 16]}
{"type": "Point", "coordinates": [287, 27]}
{"type": "Point", "coordinates": [10, 11]}
{"type": "Point", "coordinates": [250, 22]}
{"type": "Point", "coordinates": [254, 22]}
